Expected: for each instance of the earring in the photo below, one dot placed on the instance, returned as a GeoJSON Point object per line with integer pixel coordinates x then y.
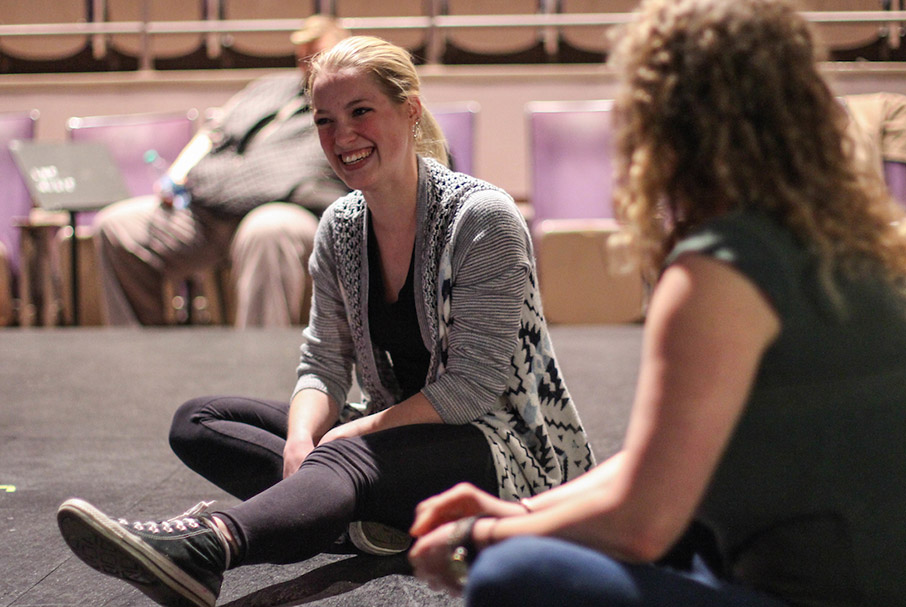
{"type": "Point", "coordinates": [416, 129]}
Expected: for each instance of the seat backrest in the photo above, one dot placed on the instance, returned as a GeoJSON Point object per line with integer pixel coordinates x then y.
{"type": "Point", "coordinates": [15, 201]}
{"type": "Point", "coordinates": [457, 121]}
{"type": "Point", "coordinates": [570, 149]}
{"type": "Point", "coordinates": [44, 48]}
{"type": "Point", "coordinates": [131, 136]}
{"type": "Point", "coordinates": [593, 38]}
{"type": "Point", "coordinates": [408, 38]}
{"type": "Point", "coordinates": [162, 45]}
{"type": "Point", "coordinates": [264, 43]}
{"type": "Point", "coordinates": [843, 35]}
{"type": "Point", "coordinates": [491, 39]}
{"type": "Point", "coordinates": [895, 176]}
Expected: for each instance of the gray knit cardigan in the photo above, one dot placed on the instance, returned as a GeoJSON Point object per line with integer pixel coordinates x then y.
{"type": "Point", "coordinates": [480, 316]}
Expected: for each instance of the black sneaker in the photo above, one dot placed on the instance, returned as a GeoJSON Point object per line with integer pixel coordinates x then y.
{"type": "Point", "coordinates": [376, 538]}
{"type": "Point", "coordinates": [178, 562]}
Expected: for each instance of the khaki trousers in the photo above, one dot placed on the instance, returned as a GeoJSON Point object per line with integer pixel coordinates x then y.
{"type": "Point", "coordinates": [141, 244]}
{"type": "Point", "coordinates": [881, 120]}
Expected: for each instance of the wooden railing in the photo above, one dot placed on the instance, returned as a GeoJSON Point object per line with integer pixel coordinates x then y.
{"type": "Point", "coordinates": [436, 27]}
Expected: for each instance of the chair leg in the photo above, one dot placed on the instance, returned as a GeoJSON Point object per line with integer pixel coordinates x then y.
{"type": "Point", "coordinates": [205, 306]}
{"type": "Point", "coordinates": [40, 290]}
{"type": "Point", "coordinates": [52, 294]}
{"type": "Point", "coordinates": [306, 300]}
{"type": "Point", "coordinates": [174, 301]}
{"type": "Point", "coordinates": [194, 300]}
{"type": "Point", "coordinates": [223, 287]}
{"type": "Point", "coordinates": [89, 285]}
{"type": "Point", "coordinates": [27, 251]}
{"type": "Point", "coordinates": [6, 289]}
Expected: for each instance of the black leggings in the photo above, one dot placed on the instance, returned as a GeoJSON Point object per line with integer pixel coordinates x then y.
{"type": "Point", "coordinates": [237, 443]}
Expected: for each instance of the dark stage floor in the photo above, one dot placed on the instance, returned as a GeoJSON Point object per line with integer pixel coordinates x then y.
{"type": "Point", "coordinates": [85, 413]}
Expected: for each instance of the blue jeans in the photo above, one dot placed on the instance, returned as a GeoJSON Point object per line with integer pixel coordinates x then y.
{"type": "Point", "coordinates": [534, 571]}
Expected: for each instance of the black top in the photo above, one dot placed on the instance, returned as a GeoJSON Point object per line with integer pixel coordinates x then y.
{"type": "Point", "coordinates": [394, 326]}
{"type": "Point", "coordinates": [807, 501]}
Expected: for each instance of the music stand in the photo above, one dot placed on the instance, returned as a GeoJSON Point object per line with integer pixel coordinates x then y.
{"type": "Point", "coordinates": [69, 176]}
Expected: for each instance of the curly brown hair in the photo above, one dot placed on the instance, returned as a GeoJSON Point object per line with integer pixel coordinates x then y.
{"type": "Point", "coordinates": [722, 107]}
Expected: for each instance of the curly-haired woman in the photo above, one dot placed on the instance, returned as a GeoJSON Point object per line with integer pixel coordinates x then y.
{"type": "Point", "coordinates": [771, 403]}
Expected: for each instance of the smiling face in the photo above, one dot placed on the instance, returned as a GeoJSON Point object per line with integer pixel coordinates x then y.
{"type": "Point", "coordinates": [366, 136]}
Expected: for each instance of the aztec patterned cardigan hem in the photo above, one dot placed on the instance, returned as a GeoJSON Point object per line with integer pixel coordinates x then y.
{"type": "Point", "coordinates": [480, 316]}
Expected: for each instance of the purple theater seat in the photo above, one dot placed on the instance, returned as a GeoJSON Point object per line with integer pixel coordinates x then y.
{"type": "Point", "coordinates": [130, 137]}
{"type": "Point", "coordinates": [895, 176]}
{"type": "Point", "coordinates": [570, 159]}
{"type": "Point", "coordinates": [15, 201]}
{"type": "Point", "coordinates": [457, 120]}
{"type": "Point", "coordinates": [587, 272]}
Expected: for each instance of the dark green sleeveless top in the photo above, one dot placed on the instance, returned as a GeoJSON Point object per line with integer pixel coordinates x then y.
{"type": "Point", "coordinates": [809, 500]}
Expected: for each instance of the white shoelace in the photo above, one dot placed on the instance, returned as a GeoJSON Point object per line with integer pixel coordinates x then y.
{"type": "Point", "coordinates": [184, 522]}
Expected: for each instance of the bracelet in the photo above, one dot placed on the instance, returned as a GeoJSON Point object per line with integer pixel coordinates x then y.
{"type": "Point", "coordinates": [462, 549]}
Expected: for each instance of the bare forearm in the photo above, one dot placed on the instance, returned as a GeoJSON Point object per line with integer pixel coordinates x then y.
{"type": "Point", "coordinates": [600, 475]}
{"type": "Point", "coordinates": [311, 412]}
{"type": "Point", "coordinates": [597, 510]}
{"type": "Point", "coordinates": [595, 517]}
{"type": "Point", "coordinates": [190, 155]}
{"type": "Point", "coordinates": [414, 410]}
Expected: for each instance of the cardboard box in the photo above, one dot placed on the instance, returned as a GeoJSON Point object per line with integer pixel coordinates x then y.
{"type": "Point", "coordinates": [587, 272]}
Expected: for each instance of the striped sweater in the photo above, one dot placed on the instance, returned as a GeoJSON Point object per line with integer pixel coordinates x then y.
{"type": "Point", "coordinates": [480, 316]}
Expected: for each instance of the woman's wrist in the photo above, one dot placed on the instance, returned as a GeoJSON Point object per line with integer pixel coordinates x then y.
{"type": "Point", "coordinates": [483, 533]}
{"type": "Point", "coordinates": [484, 529]}
{"type": "Point", "coordinates": [471, 535]}
{"type": "Point", "coordinates": [463, 549]}
{"type": "Point", "coordinates": [311, 415]}
{"type": "Point", "coordinates": [300, 434]}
